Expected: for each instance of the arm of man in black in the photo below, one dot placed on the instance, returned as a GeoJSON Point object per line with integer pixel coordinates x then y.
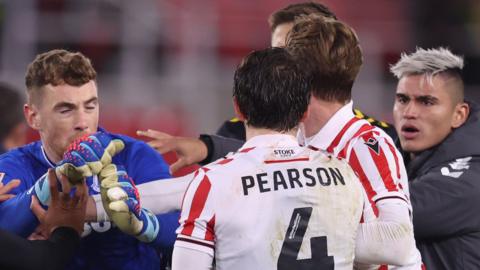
{"type": "Point", "coordinates": [54, 253]}
{"type": "Point", "coordinates": [218, 146]}
{"type": "Point", "coordinates": [63, 222]}
{"type": "Point", "coordinates": [445, 204]}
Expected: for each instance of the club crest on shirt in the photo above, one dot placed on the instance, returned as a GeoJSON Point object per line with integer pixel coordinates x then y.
{"type": "Point", "coordinates": [2, 175]}
{"type": "Point", "coordinates": [373, 144]}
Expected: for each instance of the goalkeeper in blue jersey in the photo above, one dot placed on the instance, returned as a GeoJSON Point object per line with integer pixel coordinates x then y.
{"type": "Point", "coordinates": [63, 107]}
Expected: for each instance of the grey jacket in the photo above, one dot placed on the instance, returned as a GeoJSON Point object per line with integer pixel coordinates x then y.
{"type": "Point", "coordinates": [445, 195]}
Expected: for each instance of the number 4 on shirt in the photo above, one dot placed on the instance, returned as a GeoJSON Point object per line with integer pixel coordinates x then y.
{"type": "Point", "coordinates": [293, 241]}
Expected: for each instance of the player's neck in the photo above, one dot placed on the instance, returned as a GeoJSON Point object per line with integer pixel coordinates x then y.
{"type": "Point", "coordinates": [51, 154]}
{"type": "Point", "coordinates": [320, 112]}
{"type": "Point", "coordinates": [253, 132]}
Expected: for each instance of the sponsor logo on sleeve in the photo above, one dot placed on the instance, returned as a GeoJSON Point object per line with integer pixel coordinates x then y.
{"type": "Point", "coordinates": [458, 167]}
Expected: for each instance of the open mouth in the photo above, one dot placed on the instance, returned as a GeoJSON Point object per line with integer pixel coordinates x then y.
{"type": "Point", "coordinates": [409, 131]}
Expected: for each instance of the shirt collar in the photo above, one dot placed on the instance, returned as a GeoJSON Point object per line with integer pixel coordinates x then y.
{"type": "Point", "coordinates": [45, 158]}
{"type": "Point", "coordinates": [327, 133]}
{"type": "Point", "coordinates": [269, 140]}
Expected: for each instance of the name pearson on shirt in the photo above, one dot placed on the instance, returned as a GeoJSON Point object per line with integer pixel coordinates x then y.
{"type": "Point", "coordinates": [291, 178]}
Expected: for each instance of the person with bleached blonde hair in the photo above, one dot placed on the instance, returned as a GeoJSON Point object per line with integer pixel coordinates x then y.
{"type": "Point", "coordinates": [438, 130]}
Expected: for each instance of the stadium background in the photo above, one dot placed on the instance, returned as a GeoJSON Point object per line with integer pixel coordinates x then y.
{"type": "Point", "coordinates": [168, 65]}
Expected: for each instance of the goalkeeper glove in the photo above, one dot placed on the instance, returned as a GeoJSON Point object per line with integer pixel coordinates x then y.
{"type": "Point", "coordinates": [41, 189]}
{"type": "Point", "coordinates": [121, 201]}
{"type": "Point", "coordinates": [86, 156]}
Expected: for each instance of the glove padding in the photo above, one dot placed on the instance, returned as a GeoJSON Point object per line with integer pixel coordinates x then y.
{"type": "Point", "coordinates": [41, 189]}
{"type": "Point", "coordinates": [87, 156]}
{"type": "Point", "coordinates": [121, 201]}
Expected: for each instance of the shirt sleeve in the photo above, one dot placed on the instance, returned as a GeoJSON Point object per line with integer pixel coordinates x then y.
{"type": "Point", "coordinates": [392, 233]}
{"type": "Point", "coordinates": [186, 259]}
{"type": "Point", "coordinates": [54, 253]}
{"type": "Point", "coordinates": [444, 205]}
{"type": "Point", "coordinates": [197, 219]}
{"type": "Point", "coordinates": [15, 213]}
{"type": "Point", "coordinates": [380, 169]}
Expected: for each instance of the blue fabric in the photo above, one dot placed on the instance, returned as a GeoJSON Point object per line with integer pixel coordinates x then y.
{"type": "Point", "coordinates": [103, 246]}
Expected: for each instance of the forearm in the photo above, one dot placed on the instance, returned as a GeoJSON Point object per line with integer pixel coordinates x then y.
{"type": "Point", "coordinates": [160, 197]}
{"type": "Point", "coordinates": [389, 239]}
{"type": "Point", "coordinates": [48, 254]}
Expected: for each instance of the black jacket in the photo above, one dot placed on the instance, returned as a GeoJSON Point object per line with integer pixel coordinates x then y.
{"type": "Point", "coordinates": [20, 254]}
{"type": "Point", "coordinates": [231, 136]}
{"type": "Point", "coordinates": [445, 195]}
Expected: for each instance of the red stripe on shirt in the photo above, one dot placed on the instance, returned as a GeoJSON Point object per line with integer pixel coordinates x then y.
{"type": "Point", "coordinates": [340, 135]}
{"type": "Point", "coordinates": [246, 150]}
{"type": "Point", "coordinates": [197, 205]}
{"type": "Point", "coordinates": [188, 240]}
{"type": "Point", "coordinates": [362, 129]}
{"type": "Point", "coordinates": [394, 152]}
{"type": "Point", "coordinates": [210, 234]}
{"type": "Point", "coordinates": [286, 160]}
{"type": "Point", "coordinates": [188, 186]}
{"type": "Point", "coordinates": [355, 164]}
{"type": "Point", "coordinates": [381, 163]}
{"type": "Point", "coordinates": [224, 161]}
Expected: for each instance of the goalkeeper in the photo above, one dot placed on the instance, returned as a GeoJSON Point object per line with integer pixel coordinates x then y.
{"type": "Point", "coordinates": [63, 106]}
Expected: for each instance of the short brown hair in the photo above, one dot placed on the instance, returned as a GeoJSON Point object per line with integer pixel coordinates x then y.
{"type": "Point", "coordinates": [289, 13]}
{"type": "Point", "coordinates": [57, 67]}
{"type": "Point", "coordinates": [330, 52]}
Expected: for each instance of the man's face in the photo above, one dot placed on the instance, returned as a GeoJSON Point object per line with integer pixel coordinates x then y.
{"type": "Point", "coordinates": [425, 112]}
{"type": "Point", "coordinates": [279, 34]}
{"type": "Point", "coordinates": [65, 113]}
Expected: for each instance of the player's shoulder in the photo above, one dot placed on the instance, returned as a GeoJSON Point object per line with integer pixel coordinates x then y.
{"type": "Point", "coordinates": [22, 163]}
{"type": "Point", "coordinates": [386, 127]}
{"type": "Point", "coordinates": [21, 156]}
{"type": "Point", "coordinates": [233, 164]}
{"type": "Point", "coordinates": [137, 152]}
{"type": "Point", "coordinates": [323, 158]}
{"type": "Point", "coordinates": [125, 138]}
{"type": "Point", "coordinates": [131, 144]}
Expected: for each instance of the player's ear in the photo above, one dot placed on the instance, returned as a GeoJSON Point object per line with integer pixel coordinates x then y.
{"type": "Point", "coordinates": [460, 114]}
{"type": "Point", "coordinates": [30, 112]}
{"type": "Point", "coordinates": [238, 113]}
{"type": "Point", "coordinates": [305, 115]}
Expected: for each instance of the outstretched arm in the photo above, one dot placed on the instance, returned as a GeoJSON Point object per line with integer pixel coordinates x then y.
{"type": "Point", "coordinates": [160, 196]}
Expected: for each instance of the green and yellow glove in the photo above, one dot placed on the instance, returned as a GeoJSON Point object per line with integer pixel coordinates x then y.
{"type": "Point", "coordinates": [121, 201]}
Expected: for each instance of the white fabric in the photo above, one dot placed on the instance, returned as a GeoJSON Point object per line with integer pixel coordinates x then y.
{"type": "Point", "coordinates": [388, 239]}
{"type": "Point", "coordinates": [160, 196]}
{"type": "Point", "coordinates": [189, 259]}
{"type": "Point", "coordinates": [383, 176]}
{"type": "Point", "coordinates": [233, 210]}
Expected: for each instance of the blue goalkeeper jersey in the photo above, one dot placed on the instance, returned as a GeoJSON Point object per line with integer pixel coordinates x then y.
{"type": "Point", "coordinates": [103, 246]}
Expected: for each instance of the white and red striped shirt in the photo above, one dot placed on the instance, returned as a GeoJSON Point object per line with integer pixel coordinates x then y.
{"type": "Point", "coordinates": [273, 205]}
{"type": "Point", "coordinates": [372, 155]}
